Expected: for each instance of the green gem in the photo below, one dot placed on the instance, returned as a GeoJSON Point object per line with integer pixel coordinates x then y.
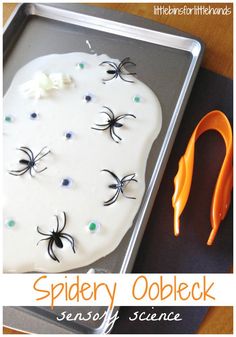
{"type": "Point", "coordinates": [8, 119]}
{"type": "Point", "coordinates": [11, 223]}
{"type": "Point", "coordinates": [137, 99]}
{"type": "Point", "coordinates": [92, 226]}
{"type": "Point", "coordinates": [81, 65]}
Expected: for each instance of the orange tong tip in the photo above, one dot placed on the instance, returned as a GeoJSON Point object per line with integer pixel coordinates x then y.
{"type": "Point", "coordinates": [176, 223]}
{"type": "Point", "coordinates": [212, 236]}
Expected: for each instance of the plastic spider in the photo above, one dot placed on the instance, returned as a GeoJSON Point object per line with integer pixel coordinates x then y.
{"type": "Point", "coordinates": [119, 186]}
{"type": "Point", "coordinates": [56, 237]}
{"type": "Point", "coordinates": [118, 70]}
{"type": "Point", "coordinates": [30, 162]}
{"type": "Point", "coordinates": [112, 123]}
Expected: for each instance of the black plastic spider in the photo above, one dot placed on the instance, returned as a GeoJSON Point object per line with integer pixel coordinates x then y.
{"type": "Point", "coordinates": [30, 162]}
{"type": "Point", "coordinates": [112, 123]}
{"type": "Point", "coordinates": [119, 186]}
{"type": "Point", "coordinates": [56, 236]}
{"type": "Point", "coordinates": [118, 70]}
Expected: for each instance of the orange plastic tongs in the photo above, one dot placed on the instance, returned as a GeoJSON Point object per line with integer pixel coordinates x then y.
{"type": "Point", "coordinates": [214, 120]}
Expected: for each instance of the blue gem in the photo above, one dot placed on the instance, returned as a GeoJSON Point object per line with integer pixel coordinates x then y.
{"type": "Point", "coordinates": [66, 182]}
{"type": "Point", "coordinates": [68, 135]}
{"type": "Point", "coordinates": [88, 98]}
{"type": "Point", "coordinates": [33, 115]}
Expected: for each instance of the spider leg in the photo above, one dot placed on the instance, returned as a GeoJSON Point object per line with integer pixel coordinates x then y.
{"type": "Point", "coordinates": [129, 62]}
{"type": "Point", "coordinates": [70, 239]}
{"type": "Point", "coordinates": [43, 155]}
{"type": "Point", "coordinates": [126, 183]}
{"type": "Point", "coordinates": [19, 172]}
{"type": "Point", "coordinates": [31, 156]}
{"type": "Point", "coordinates": [44, 240]}
{"type": "Point", "coordinates": [120, 65]}
{"type": "Point", "coordinates": [109, 79]}
{"type": "Point", "coordinates": [64, 222]}
{"type": "Point", "coordinates": [126, 61]}
{"type": "Point", "coordinates": [113, 199]}
{"type": "Point", "coordinates": [57, 221]}
{"type": "Point", "coordinates": [129, 177]}
{"type": "Point", "coordinates": [39, 170]}
{"type": "Point", "coordinates": [125, 79]}
{"type": "Point", "coordinates": [109, 63]}
{"type": "Point", "coordinates": [41, 232]}
{"type": "Point", "coordinates": [129, 73]}
{"type": "Point", "coordinates": [129, 181]}
{"type": "Point", "coordinates": [123, 116]}
{"type": "Point", "coordinates": [112, 114]}
{"type": "Point", "coordinates": [51, 252]}
{"type": "Point", "coordinates": [106, 113]}
{"type": "Point", "coordinates": [40, 158]}
{"type": "Point", "coordinates": [22, 149]}
{"type": "Point", "coordinates": [111, 134]}
{"type": "Point", "coordinates": [107, 124]}
{"type": "Point", "coordinates": [114, 133]}
{"type": "Point", "coordinates": [113, 175]}
{"type": "Point", "coordinates": [123, 70]}
{"type": "Point", "coordinates": [112, 64]}
{"type": "Point", "coordinates": [30, 171]}
{"type": "Point", "coordinates": [100, 129]}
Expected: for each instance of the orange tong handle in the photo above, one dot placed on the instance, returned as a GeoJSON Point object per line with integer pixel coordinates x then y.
{"type": "Point", "coordinates": [214, 120]}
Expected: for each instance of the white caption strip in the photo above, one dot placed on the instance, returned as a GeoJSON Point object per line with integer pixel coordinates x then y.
{"type": "Point", "coordinates": [118, 290]}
